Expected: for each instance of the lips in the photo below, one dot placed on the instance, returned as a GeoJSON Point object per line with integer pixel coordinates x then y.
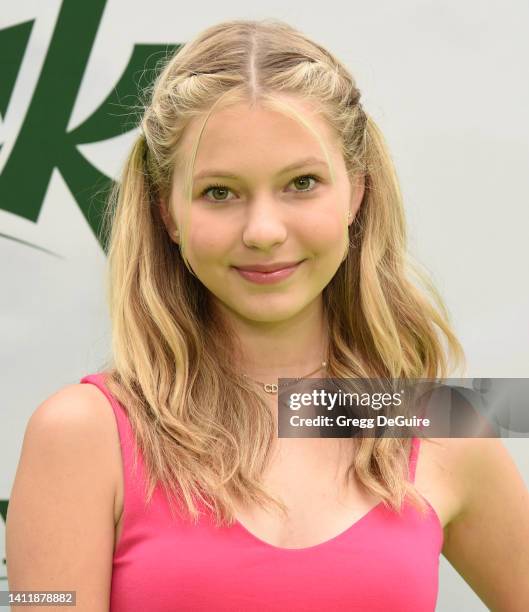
{"type": "Point", "coordinates": [273, 273]}
{"type": "Point", "coordinates": [268, 267]}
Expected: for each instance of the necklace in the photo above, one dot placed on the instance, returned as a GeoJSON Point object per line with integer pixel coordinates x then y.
{"type": "Point", "coordinates": [273, 388]}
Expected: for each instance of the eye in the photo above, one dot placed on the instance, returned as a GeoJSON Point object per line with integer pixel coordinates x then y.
{"type": "Point", "coordinates": [222, 189]}
{"type": "Point", "coordinates": [304, 181]}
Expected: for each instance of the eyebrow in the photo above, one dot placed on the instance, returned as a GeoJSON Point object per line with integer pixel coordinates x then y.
{"type": "Point", "coordinates": [312, 161]}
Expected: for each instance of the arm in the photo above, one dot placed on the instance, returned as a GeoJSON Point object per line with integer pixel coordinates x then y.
{"type": "Point", "coordinates": [488, 542]}
{"type": "Point", "coordinates": [60, 520]}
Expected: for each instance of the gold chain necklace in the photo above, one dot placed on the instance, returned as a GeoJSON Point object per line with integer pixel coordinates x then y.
{"type": "Point", "coordinates": [273, 388]}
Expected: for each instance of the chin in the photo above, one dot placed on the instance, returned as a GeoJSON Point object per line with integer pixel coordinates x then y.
{"type": "Point", "coordinates": [271, 313]}
{"type": "Point", "coordinates": [278, 317]}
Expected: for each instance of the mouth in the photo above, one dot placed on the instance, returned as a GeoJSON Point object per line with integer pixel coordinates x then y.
{"type": "Point", "coordinates": [273, 274]}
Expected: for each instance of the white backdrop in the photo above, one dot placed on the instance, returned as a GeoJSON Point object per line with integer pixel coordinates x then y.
{"type": "Point", "coordinates": [447, 84]}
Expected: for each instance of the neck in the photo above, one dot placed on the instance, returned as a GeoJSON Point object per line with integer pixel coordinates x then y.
{"type": "Point", "coordinates": [286, 349]}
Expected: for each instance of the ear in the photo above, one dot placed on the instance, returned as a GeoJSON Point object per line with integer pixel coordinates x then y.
{"type": "Point", "coordinates": [357, 195]}
{"type": "Point", "coordinates": [170, 225]}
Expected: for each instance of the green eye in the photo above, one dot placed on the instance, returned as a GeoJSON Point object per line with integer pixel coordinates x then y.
{"type": "Point", "coordinates": [304, 179]}
{"type": "Point", "coordinates": [222, 189]}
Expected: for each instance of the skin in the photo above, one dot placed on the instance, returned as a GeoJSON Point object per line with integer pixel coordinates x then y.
{"type": "Point", "coordinates": [67, 498]}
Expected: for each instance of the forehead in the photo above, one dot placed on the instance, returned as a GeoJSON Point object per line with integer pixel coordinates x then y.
{"type": "Point", "coordinates": [286, 127]}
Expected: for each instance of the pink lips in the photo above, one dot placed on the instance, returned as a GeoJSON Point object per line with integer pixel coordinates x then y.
{"type": "Point", "coordinates": [265, 278]}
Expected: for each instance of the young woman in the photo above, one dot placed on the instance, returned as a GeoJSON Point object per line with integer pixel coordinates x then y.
{"type": "Point", "coordinates": [258, 233]}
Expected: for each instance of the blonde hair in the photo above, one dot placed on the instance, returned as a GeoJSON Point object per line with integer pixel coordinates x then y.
{"type": "Point", "coordinates": [204, 431]}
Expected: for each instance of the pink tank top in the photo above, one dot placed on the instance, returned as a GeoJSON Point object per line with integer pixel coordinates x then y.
{"type": "Point", "coordinates": [384, 562]}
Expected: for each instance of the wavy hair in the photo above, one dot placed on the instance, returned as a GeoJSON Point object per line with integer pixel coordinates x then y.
{"type": "Point", "coordinates": [204, 431]}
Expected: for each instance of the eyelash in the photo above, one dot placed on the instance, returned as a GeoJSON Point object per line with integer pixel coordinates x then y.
{"type": "Point", "coordinates": [220, 186]}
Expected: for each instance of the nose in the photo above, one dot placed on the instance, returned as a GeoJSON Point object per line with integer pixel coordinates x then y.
{"type": "Point", "coordinates": [264, 226]}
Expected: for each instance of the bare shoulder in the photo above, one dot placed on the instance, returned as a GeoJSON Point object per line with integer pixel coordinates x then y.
{"type": "Point", "coordinates": [471, 462]}
{"type": "Point", "coordinates": [79, 418]}
{"type": "Point", "coordinates": [485, 463]}
{"type": "Point", "coordinates": [464, 465]}
{"type": "Point", "coordinates": [74, 405]}
{"type": "Point", "coordinates": [60, 520]}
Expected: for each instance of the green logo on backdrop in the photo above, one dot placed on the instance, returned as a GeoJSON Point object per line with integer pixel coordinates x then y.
{"type": "Point", "coordinates": [43, 142]}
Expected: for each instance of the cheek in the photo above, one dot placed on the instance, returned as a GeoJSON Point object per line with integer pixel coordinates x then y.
{"type": "Point", "coordinates": [326, 233]}
{"type": "Point", "coordinates": [207, 241]}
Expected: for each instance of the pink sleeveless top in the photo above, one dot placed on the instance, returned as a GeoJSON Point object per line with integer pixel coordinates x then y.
{"type": "Point", "coordinates": [383, 562]}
